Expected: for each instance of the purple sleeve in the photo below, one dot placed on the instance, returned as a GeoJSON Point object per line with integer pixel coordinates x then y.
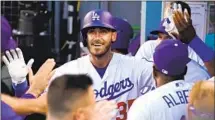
{"type": "Point", "coordinates": [7, 113]}
{"type": "Point", "coordinates": [204, 52]}
{"type": "Point", "coordinates": [20, 89]}
{"type": "Point", "coordinates": [28, 96]}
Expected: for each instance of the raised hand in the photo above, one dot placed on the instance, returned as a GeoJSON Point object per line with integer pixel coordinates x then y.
{"type": "Point", "coordinates": [16, 65]}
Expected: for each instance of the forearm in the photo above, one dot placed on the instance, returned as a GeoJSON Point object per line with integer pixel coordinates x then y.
{"type": "Point", "coordinates": [22, 105]}
{"type": "Point", "coordinates": [205, 53]}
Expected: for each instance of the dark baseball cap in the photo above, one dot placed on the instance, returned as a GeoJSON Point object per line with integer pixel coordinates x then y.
{"type": "Point", "coordinates": [160, 29]}
{"type": "Point", "coordinates": [171, 57]}
{"type": "Point", "coordinates": [7, 42]}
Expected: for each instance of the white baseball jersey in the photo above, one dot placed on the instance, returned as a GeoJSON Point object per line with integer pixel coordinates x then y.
{"type": "Point", "coordinates": [147, 50]}
{"type": "Point", "coordinates": [167, 102]}
{"type": "Point", "coordinates": [124, 80]}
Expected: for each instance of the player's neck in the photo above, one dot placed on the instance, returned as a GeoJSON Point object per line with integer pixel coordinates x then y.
{"type": "Point", "coordinates": [103, 61]}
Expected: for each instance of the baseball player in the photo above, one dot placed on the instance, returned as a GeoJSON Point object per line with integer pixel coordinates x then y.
{"type": "Point", "coordinates": [124, 34]}
{"type": "Point", "coordinates": [71, 97]}
{"type": "Point", "coordinates": [147, 49]}
{"type": "Point", "coordinates": [14, 69]}
{"type": "Point", "coordinates": [168, 101]}
{"type": "Point", "coordinates": [116, 77]}
{"type": "Point", "coordinates": [178, 20]}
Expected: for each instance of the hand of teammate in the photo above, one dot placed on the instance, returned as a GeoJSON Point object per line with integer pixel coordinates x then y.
{"type": "Point", "coordinates": [16, 65]}
{"type": "Point", "coordinates": [104, 110]}
{"type": "Point", "coordinates": [40, 80]}
{"type": "Point", "coordinates": [42, 106]}
{"type": "Point", "coordinates": [183, 23]}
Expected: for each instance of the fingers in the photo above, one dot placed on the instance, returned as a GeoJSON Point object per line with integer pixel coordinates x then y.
{"type": "Point", "coordinates": [5, 60]}
{"type": "Point", "coordinates": [50, 75]}
{"type": "Point", "coordinates": [179, 21]}
{"type": "Point", "coordinates": [47, 67]}
{"type": "Point", "coordinates": [10, 58]}
{"type": "Point", "coordinates": [30, 75]}
{"type": "Point", "coordinates": [30, 63]}
{"type": "Point", "coordinates": [187, 17]}
{"type": "Point", "coordinates": [14, 54]}
{"type": "Point", "coordinates": [20, 55]}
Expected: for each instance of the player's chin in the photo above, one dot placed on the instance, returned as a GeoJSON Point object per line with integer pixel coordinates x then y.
{"type": "Point", "coordinates": [98, 53]}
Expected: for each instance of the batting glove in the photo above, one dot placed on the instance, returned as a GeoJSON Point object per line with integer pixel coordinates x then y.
{"type": "Point", "coordinates": [16, 65]}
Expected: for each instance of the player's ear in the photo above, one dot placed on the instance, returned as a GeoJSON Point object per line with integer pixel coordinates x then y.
{"type": "Point", "coordinates": [114, 36]}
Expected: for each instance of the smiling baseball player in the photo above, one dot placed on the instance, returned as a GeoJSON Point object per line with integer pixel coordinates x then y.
{"type": "Point", "coordinates": [116, 77]}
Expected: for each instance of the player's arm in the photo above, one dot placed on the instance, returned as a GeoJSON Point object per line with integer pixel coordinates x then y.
{"type": "Point", "coordinates": [7, 113]}
{"type": "Point", "coordinates": [139, 113]}
{"type": "Point", "coordinates": [25, 105]}
{"type": "Point", "coordinates": [144, 51]}
{"type": "Point", "coordinates": [145, 80]}
{"type": "Point", "coordinates": [187, 34]}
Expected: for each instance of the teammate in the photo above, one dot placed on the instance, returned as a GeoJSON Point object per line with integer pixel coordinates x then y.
{"type": "Point", "coordinates": [147, 49]}
{"type": "Point", "coordinates": [115, 76]}
{"type": "Point", "coordinates": [168, 101]}
{"type": "Point", "coordinates": [201, 101]}
{"type": "Point", "coordinates": [178, 22]}
{"type": "Point", "coordinates": [17, 108]}
{"type": "Point", "coordinates": [71, 97]}
{"type": "Point", "coordinates": [14, 69]}
{"type": "Point", "coordinates": [124, 34]}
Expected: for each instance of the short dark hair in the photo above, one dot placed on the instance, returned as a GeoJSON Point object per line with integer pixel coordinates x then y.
{"type": "Point", "coordinates": [64, 91]}
{"type": "Point", "coordinates": [184, 6]}
{"type": "Point", "coordinates": [170, 78]}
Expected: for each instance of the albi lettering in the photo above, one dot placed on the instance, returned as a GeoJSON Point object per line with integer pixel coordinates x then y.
{"type": "Point", "coordinates": [181, 98]}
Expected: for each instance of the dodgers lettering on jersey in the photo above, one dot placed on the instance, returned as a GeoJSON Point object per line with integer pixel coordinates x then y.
{"type": "Point", "coordinates": [114, 90]}
{"type": "Point", "coordinates": [168, 102]}
{"type": "Point", "coordinates": [125, 79]}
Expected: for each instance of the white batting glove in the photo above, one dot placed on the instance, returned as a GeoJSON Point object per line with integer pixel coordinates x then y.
{"type": "Point", "coordinates": [170, 26]}
{"type": "Point", "coordinates": [15, 63]}
{"type": "Point", "coordinates": [105, 110]}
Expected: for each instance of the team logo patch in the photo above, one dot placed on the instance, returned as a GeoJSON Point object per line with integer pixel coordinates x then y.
{"type": "Point", "coordinates": [95, 16]}
{"type": "Point", "coordinates": [114, 90]}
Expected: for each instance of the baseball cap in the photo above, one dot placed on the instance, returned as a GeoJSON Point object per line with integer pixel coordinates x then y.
{"type": "Point", "coordinates": [7, 42]}
{"type": "Point", "coordinates": [171, 57]}
{"type": "Point", "coordinates": [160, 29]}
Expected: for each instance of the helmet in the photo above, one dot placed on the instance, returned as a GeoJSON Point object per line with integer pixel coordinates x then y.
{"type": "Point", "coordinates": [124, 33]}
{"type": "Point", "coordinates": [96, 18]}
{"type": "Point", "coordinates": [134, 45]}
{"type": "Point", "coordinates": [7, 41]}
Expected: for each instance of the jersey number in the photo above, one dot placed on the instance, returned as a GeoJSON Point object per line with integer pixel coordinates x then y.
{"type": "Point", "coordinates": [122, 106]}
